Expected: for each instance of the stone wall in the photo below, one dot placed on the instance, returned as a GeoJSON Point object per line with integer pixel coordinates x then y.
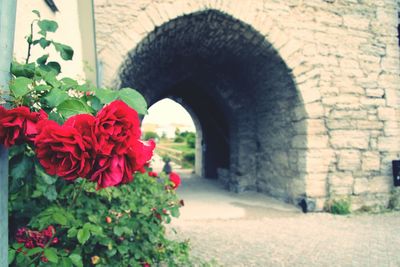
{"type": "Point", "coordinates": [309, 90]}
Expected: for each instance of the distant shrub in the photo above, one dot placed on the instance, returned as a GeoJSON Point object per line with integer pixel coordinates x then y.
{"type": "Point", "coordinates": [189, 157]}
{"type": "Point", "coordinates": [179, 139]}
{"type": "Point", "coordinates": [191, 140]}
{"type": "Point", "coordinates": [339, 206]}
{"type": "Point", "coordinates": [150, 135]}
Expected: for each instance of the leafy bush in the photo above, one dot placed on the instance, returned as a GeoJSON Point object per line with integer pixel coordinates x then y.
{"type": "Point", "coordinates": [69, 221]}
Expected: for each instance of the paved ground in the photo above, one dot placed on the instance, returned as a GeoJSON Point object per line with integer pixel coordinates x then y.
{"type": "Point", "coordinates": [254, 230]}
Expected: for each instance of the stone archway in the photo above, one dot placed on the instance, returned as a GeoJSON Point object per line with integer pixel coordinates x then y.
{"type": "Point", "coordinates": [241, 91]}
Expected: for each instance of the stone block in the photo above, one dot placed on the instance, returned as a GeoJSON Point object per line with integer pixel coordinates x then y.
{"type": "Point", "coordinates": [371, 161]}
{"type": "Point", "coordinates": [341, 183]}
{"type": "Point", "coordinates": [361, 185]}
{"type": "Point", "coordinates": [316, 188]}
{"type": "Point", "coordinates": [380, 184]}
{"type": "Point", "coordinates": [391, 143]}
{"type": "Point", "coordinates": [310, 126]}
{"type": "Point", "coordinates": [375, 92]}
{"type": "Point", "coordinates": [310, 95]}
{"type": "Point", "coordinates": [370, 124]}
{"type": "Point", "coordinates": [349, 139]}
{"type": "Point", "coordinates": [392, 128]}
{"type": "Point", "coordinates": [345, 124]}
{"type": "Point", "coordinates": [316, 161]}
{"type": "Point", "coordinates": [387, 113]}
{"type": "Point", "coordinates": [353, 114]}
{"type": "Point", "coordinates": [349, 160]}
{"type": "Point", "coordinates": [310, 141]}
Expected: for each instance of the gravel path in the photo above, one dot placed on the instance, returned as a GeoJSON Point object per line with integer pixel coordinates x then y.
{"type": "Point", "coordinates": [251, 229]}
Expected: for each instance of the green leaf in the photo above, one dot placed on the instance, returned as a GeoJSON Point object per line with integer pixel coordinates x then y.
{"type": "Point", "coordinates": [72, 107]}
{"type": "Point", "coordinates": [76, 260]}
{"type": "Point", "coordinates": [22, 168]}
{"type": "Point", "coordinates": [16, 246]}
{"type": "Point", "coordinates": [69, 82]}
{"type": "Point", "coordinates": [51, 254]}
{"type": "Point", "coordinates": [42, 60]}
{"type": "Point", "coordinates": [93, 218]}
{"type": "Point", "coordinates": [21, 259]}
{"type": "Point", "coordinates": [106, 95]}
{"type": "Point", "coordinates": [72, 232]}
{"type": "Point", "coordinates": [60, 218]}
{"type": "Point", "coordinates": [175, 212]}
{"type": "Point", "coordinates": [36, 194]}
{"type": "Point", "coordinates": [36, 12]}
{"type": "Point", "coordinates": [133, 99]}
{"type": "Point", "coordinates": [122, 249]}
{"type": "Point", "coordinates": [51, 193]}
{"type": "Point", "coordinates": [11, 256]}
{"type": "Point", "coordinates": [19, 86]}
{"type": "Point", "coordinates": [48, 75]}
{"type": "Point", "coordinates": [66, 262]}
{"type": "Point", "coordinates": [118, 230]}
{"type": "Point", "coordinates": [66, 52]}
{"type": "Point", "coordinates": [48, 179]}
{"type": "Point", "coordinates": [54, 116]}
{"type": "Point", "coordinates": [54, 66]}
{"type": "Point", "coordinates": [48, 25]}
{"type": "Point", "coordinates": [24, 70]}
{"type": "Point", "coordinates": [34, 251]}
{"type": "Point", "coordinates": [95, 103]}
{"type": "Point", "coordinates": [43, 42]}
{"type": "Point", "coordinates": [42, 88]}
{"type": "Point", "coordinates": [83, 235]}
{"type": "Point", "coordinates": [56, 97]}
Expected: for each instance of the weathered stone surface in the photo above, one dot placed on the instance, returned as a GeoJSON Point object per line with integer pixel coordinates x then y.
{"type": "Point", "coordinates": [361, 185]}
{"type": "Point", "coordinates": [380, 184]}
{"type": "Point", "coordinates": [389, 143]}
{"type": "Point", "coordinates": [349, 139]}
{"type": "Point", "coordinates": [349, 160]}
{"type": "Point", "coordinates": [341, 184]}
{"type": "Point", "coordinates": [297, 88]}
{"type": "Point", "coordinates": [387, 113]}
{"type": "Point", "coordinates": [371, 161]}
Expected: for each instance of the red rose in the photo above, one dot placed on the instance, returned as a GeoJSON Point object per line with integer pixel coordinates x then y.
{"type": "Point", "coordinates": [116, 125]}
{"type": "Point", "coordinates": [32, 239]}
{"type": "Point", "coordinates": [84, 123]}
{"type": "Point", "coordinates": [175, 179]}
{"type": "Point", "coordinates": [110, 171]}
{"type": "Point", "coordinates": [19, 125]}
{"type": "Point", "coordinates": [119, 168]}
{"type": "Point", "coordinates": [139, 153]}
{"type": "Point", "coordinates": [61, 151]}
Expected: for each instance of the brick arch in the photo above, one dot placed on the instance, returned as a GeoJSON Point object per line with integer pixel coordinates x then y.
{"type": "Point", "coordinates": [309, 140]}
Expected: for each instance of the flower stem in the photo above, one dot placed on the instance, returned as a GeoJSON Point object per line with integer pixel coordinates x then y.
{"type": "Point", "coordinates": [30, 40]}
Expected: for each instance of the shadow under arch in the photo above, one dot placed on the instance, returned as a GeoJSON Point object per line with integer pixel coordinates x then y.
{"type": "Point", "coordinates": [241, 91]}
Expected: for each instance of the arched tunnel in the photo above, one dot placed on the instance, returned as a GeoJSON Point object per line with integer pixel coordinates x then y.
{"type": "Point", "coordinates": [241, 92]}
